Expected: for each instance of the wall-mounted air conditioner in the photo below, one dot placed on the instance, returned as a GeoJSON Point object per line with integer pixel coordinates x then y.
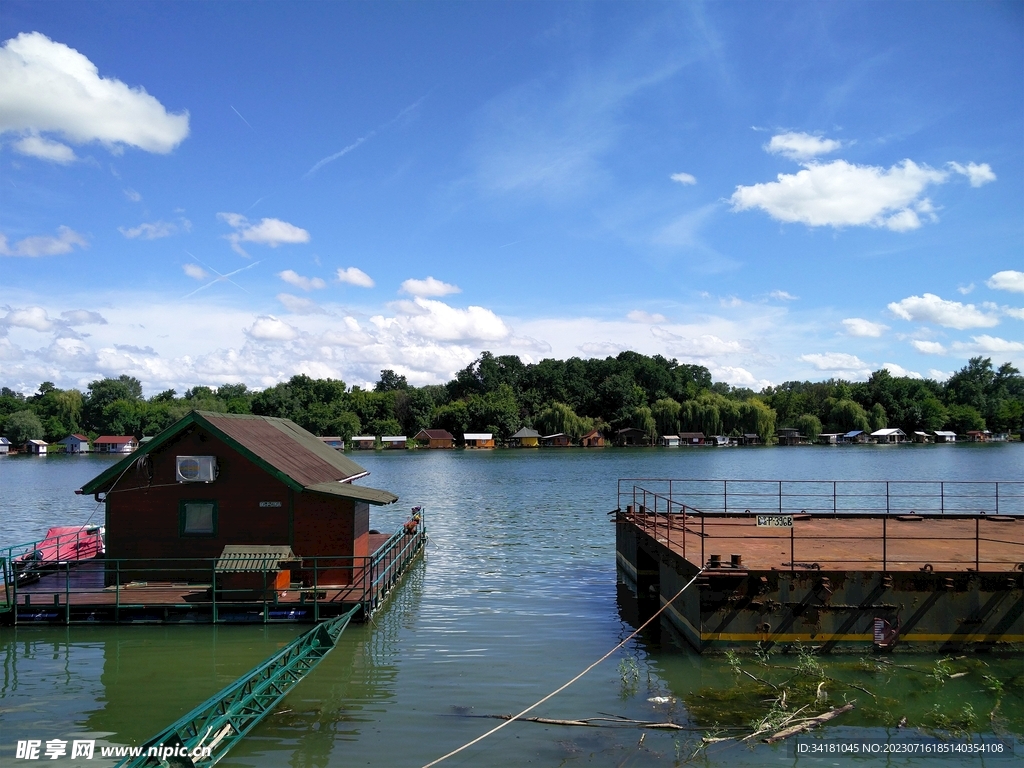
{"type": "Point", "coordinates": [196, 469]}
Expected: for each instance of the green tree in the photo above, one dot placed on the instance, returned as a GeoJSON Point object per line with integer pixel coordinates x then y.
{"type": "Point", "coordinates": [666, 415]}
{"type": "Point", "coordinates": [809, 425]}
{"type": "Point", "coordinates": [964, 418]}
{"type": "Point", "coordinates": [22, 426]}
{"type": "Point", "coordinates": [877, 418]}
{"type": "Point", "coordinates": [559, 417]}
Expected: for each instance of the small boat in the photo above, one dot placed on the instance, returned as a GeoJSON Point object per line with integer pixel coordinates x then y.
{"type": "Point", "coordinates": [62, 544]}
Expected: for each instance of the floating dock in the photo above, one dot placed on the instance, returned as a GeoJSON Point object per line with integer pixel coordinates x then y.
{"type": "Point", "coordinates": [831, 564]}
{"type": "Point", "coordinates": [166, 590]}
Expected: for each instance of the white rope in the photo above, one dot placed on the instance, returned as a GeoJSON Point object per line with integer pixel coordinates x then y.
{"type": "Point", "coordinates": [557, 691]}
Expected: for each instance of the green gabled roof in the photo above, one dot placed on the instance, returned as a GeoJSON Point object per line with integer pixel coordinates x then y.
{"type": "Point", "coordinates": [354, 492]}
{"type": "Point", "coordinates": [280, 447]}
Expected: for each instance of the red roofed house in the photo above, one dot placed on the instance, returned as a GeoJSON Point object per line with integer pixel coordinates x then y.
{"type": "Point", "coordinates": [213, 481]}
{"type": "Point", "coordinates": [435, 438]}
{"type": "Point", "coordinates": [115, 444]}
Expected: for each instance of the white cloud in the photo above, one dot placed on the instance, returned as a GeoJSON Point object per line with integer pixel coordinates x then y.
{"type": "Point", "coordinates": [935, 373]}
{"type": "Point", "coordinates": [951, 314]}
{"type": "Point", "coordinates": [1017, 312]}
{"type": "Point", "coordinates": [1007, 280]}
{"type": "Point", "coordinates": [783, 296]}
{"type": "Point", "coordinates": [132, 195]}
{"type": "Point", "coordinates": [83, 317]}
{"type": "Point", "coordinates": [858, 326]}
{"type": "Point", "coordinates": [355, 276]}
{"type": "Point", "coordinates": [837, 361]}
{"type": "Point", "coordinates": [978, 175]}
{"type": "Point", "coordinates": [684, 178]}
{"type": "Point", "coordinates": [639, 316]}
{"type": "Point", "coordinates": [428, 287]}
{"type": "Point", "coordinates": [298, 305]}
{"type": "Point", "coordinates": [704, 347]}
{"type": "Point", "coordinates": [305, 283]}
{"type": "Point", "coordinates": [44, 245]}
{"type": "Point", "coordinates": [801, 146]}
{"type": "Point", "coordinates": [440, 322]}
{"type": "Point", "coordinates": [601, 348]}
{"type": "Point", "coordinates": [46, 86]}
{"type": "Point", "coordinates": [33, 318]}
{"type": "Point", "coordinates": [965, 289]}
{"type": "Point", "coordinates": [195, 271]}
{"type": "Point", "coordinates": [928, 347]}
{"type": "Point", "coordinates": [269, 328]}
{"type": "Point", "coordinates": [840, 194]}
{"type": "Point", "coordinates": [899, 370]}
{"type": "Point", "coordinates": [988, 345]}
{"type": "Point", "coordinates": [45, 149]}
{"type": "Point", "coordinates": [150, 231]}
{"type": "Point", "coordinates": [272, 232]}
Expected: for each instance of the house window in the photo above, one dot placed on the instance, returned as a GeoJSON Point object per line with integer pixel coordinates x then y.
{"type": "Point", "coordinates": [197, 517]}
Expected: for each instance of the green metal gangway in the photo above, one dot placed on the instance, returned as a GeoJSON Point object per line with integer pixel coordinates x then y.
{"type": "Point", "coordinates": [223, 720]}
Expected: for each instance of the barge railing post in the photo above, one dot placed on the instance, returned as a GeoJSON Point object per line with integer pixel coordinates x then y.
{"type": "Point", "coordinates": [834, 509]}
{"type": "Point", "coordinates": [942, 497]}
{"type": "Point", "coordinates": [997, 497]}
{"type": "Point", "coordinates": [977, 546]}
{"type": "Point", "coordinates": [67, 592]}
{"type": "Point", "coordinates": [792, 548]}
{"type": "Point", "coordinates": [117, 591]}
{"type": "Point", "coordinates": [885, 542]}
{"type": "Point", "coordinates": [702, 558]}
{"type": "Point", "coordinates": [213, 590]}
{"type": "Point", "coordinates": [725, 496]}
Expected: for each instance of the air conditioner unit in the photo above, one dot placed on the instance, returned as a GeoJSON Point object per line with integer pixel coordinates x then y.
{"type": "Point", "coordinates": [196, 469]}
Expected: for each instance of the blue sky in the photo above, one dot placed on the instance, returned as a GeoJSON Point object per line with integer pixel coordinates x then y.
{"type": "Point", "coordinates": [777, 191]}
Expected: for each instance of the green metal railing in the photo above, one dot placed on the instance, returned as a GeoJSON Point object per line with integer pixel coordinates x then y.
{"type": "Point", "coordinates": [204, 735]}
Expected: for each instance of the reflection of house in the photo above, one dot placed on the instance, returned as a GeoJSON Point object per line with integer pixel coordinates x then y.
{"type": "Point", "coordinates": [829, 438]}
{"type": "Point", "coordinates": [631, 436]}
{"type": "Point", "coordinates": [363, 442]}
{"type": "Point", "coordinates": [557, 440]}
{"type": "Point", "coordinates": [691, 438]}
{"type": "Point", "coordinates": [478, 439]}
{"type": "Point", "coordinates": [979, 435]}
{"type": "Point", "coordinates": [394, 442]}
{"type": "Point", "coordinates": [115, 444]}
{"type": "Point", "coordinates": [336, 443]}
{"type": "Point", "coordinates": [855, 436]}
{"type": "Point", "coordinates": [669, 441]}
{"type": "Point", "coordinates": [525, 438]}
{"type": "Point", "coordinates": [216, 479]}
{"type": "Point", "coordinates": [593, 439]}
{"type": "Point", "coordinates": [750, 438]}
{"type": "Point", "coordinates": [5, 446]}
{"type": "Point", "coordinates": [435, 438]}
{"type": "Point", "coordinates": [890, 435]}
{"type": "Point", "coordinates": [38, 447]}
{"type": "Point", "coordinates": [75, 444]}
{"type": "Point", "coordinates": [944, 436]}
{"type": "Point", "coordinates": [922, 437]}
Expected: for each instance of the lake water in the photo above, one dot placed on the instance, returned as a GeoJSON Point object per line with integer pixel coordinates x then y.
{"type": "Point", "coordinates": [517, 594]}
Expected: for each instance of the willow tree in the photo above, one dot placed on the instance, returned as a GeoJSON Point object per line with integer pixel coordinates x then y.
{"type": "Point", "coordinates": [666, 415]}
{"type": "Point", "coordinates": [559, 417]}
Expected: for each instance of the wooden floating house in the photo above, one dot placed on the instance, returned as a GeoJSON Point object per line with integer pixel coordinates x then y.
{"type": "Point", "coordinates": [336, 442]}
{"type": "Point", "coordinates": [75, 444]}
{"type": "Point", "coordinates": [115, 444]}
{"type": "Point", "coordinates": [890, 436]}
{"type": "Point", "coordinates": [691, 438]}
{"type": "Point", "coordinates": [227, 517]}
{"type": "Point", "coordinates": [434, 438]}
{"type": "Point", "coordinates": [394, 442]}
{"type": "Point", "coordinates": [36, 447]}
{"type": "Point", "coordinates": [5, 446]}
{"type": "Point", "coordinates": [944, 436]}
{"type": "Point", "coordinates": [525, 438]}
{"type": "Point", "coordinates": [593, 439]}
{"type": "Point", "coordinates": [631, 436]}
{"type": "Point", "coordinates": [363, 442]}
{"type": "Point", "coordinates": [478, 440]}
{"type": "Point", "coordinates": [557, 440]}
{"type": "Point", "coordinates": [669, 441]}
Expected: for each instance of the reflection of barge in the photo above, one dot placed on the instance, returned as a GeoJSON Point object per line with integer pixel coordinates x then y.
{"type": "Point", "coordinates": [831, 564]}
{"type": "Point", "coordinates": [221, 517]}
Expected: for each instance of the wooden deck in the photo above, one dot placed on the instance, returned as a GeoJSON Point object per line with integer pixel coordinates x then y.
{"type": "Point", "coordinates": [79, 593]}
{"type": "Point", "coordinates": [993, 544]}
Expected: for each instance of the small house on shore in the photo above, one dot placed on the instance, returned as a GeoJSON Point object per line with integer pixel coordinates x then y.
{"type": "Point", "coordinates": [631, 436]}
{"type": "Point", "coordinates": [337, 443]}
{"type": "Point", "coordinates": [557, 440]}
{"type": "Point", "coordinates": [394, 442]}
{"type": "Point", "coordinates": [669, 441]}
{"type": "Point", "coordinates": [36, 447]}
{"type": "Point", "coordinates": [719, 441]}
{"type": "Point", "coordinates": [979, 435]}
{"type": "Point", "coordinates": [215, 480]}
{"type": "Point", "coordinates": [478, 439]}
{"type": "Point", "coordinates": [5, 446]}
{"type": "Point", "coordinates": [945, 436]}
{"type": "Point", "coordinates": [922, 437]}
{"type": "Point", "coordinates": [789, 436]}
{"type": "Point", "coordinates": [855, 436]}
{"type": "Point", "coordinates": [434, 438]}
{"type": "Point", "coordinates": [691, 438]}
{"type": "Point", "coordinates": [363, 442]}
{"type": "Point", "coordinates": [750, 438]}
{"type": "Point", "coordinates": [829, 438]}
{"type": "Point", "coordinates": [593, 439]}
{"type": "Point", "coordinates": [525, 438]}
{"type": "Point", "coordinates": [115, 444]}
{"type": "Point", "coordinates": [890, 436]}
{"type": "Point", "coordinates": [75, 444]}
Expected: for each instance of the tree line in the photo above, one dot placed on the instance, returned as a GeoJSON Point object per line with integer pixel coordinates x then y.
{"type": "Point", "coordinates": [501, 394]}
